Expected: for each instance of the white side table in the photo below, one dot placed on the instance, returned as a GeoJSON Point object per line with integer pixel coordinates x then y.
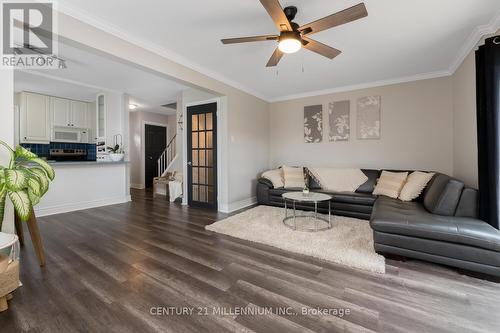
{"type": "Point", "coordinates": [9, 268]}
{"type": "Point", "coordinates": [175, 189]}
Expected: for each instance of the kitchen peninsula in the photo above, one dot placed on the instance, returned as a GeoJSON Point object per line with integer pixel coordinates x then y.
{"type": "Point", "coordinates": [72, 136]}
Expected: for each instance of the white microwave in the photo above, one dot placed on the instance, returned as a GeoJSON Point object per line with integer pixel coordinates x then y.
{"type": "Point", "coordinates": [74, 135]}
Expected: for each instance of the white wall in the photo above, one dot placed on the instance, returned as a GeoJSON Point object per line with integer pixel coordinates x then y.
{"type": "Point", "coordinates": [137, 120]}
{"type": "Point", "coordinates": [85, 186]}
{"type": "Point", "coordinates": [7, 133]}
{"type": "Point", "coordinates": [416, 130]}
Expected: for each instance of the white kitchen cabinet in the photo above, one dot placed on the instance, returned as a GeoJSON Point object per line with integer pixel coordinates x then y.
{"type": "Point", "coordinates": [34, 124]}
{"type": "Point", "coordinates": [101, 117]}
{"type": "Point", "coordinates": [61, 112]}
{"type": "Point", "coordinates": [80, 114]}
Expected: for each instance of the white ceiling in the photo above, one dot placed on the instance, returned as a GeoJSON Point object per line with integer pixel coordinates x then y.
{"type": "Point", "coordinates": [89, 72]}
{"type": "Point", "coordinates": [399, 40]}
{"type": "Point", "coordinates": [26, 81]}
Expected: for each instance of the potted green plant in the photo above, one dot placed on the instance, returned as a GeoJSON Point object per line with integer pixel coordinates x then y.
{"type": "Point", "coordinates": [116, 153]}
{"type": "Point", "coordinates": [24, 181]}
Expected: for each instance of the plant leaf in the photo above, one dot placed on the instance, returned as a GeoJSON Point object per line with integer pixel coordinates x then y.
{"type": "Point", "coordinates": [24, 153]}
{"type": "Point", "coordinates": [34, 198]}
{"type": "Point", "coordinates": [45, 166]}
{"type": "Point", "coordinates": [42, 178]}
{"type": "Point", "coordinates": [16, 180]}
{"type": "Point", "coordinates": [22, 204]}
{"type": "Point", "coordinates": [34, 185]}
{"type": "Point", "coordinates": [3, 194]}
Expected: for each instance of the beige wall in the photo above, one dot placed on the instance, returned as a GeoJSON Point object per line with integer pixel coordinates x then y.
{"type": "Point", "coordinates": [240, 106]}
{"type": "Point", "coordinates": [416, 130]}
{"type": "Point", "coordinates": [137, 120]}
{"type": "Point", "coordinates": [464, 122]}
{"type": "Point", "coordinates": [464, 119]}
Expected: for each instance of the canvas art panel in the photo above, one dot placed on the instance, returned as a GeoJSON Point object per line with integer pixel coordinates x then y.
{"type": "Point", "coordinates": [313, 123]}
{"type": "Point", "coordinates": [339, 121]}
{"type": "Point", "coordinates": [368, 120]}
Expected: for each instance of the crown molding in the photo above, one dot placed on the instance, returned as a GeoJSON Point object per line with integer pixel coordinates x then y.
{"type": "Point", "coordinates": [373, 84]}
{"type": "Point", "coordinates": [152, 47]}
{"type": "Point", "coordinates": [474, 38]}
{"type": "Point", "coordinates": [77, 83]}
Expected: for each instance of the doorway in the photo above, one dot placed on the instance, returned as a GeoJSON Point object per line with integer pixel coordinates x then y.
{"type": "Point", "coordinates": [155, 142]}
{"type": "Point", "coordinates": [202, 155]}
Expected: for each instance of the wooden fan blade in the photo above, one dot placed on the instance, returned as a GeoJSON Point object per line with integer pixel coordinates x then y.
{"type": "Point", "coordinates": [274, 10]}
{"type": "Point", "coordinates": [345, 16]}
{"type": "Point", "coordinates": [320, 48]}
{"type": "Point", "coordinates": [275, 58]}
{"type": "Point", "coordinates": [249, 39]}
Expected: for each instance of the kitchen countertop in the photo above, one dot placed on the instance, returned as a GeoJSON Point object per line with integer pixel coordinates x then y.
{"type": "Point", "coordinates": [84, 163]}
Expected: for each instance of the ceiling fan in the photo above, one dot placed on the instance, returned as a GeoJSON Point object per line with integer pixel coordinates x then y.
{"type": "Point", "coordinates": [292, 36]}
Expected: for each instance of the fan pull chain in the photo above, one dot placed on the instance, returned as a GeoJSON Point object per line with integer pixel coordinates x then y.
{"type": "Point", "coordinates": [302, 59]}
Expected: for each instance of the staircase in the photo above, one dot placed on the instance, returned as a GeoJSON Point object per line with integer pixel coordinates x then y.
{"type": "Point", "coordinates": [167, 158]}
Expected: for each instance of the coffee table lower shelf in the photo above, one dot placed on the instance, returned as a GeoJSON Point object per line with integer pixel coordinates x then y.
{"type": "Point", "coordinates": [320, 223]}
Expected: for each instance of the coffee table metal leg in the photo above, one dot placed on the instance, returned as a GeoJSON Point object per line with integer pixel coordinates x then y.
{"type": "Point", "coordinates": [329, 213]}
{"type": "Point", "coordinates": [286, 210]}
{"type": "Point", "coordinates": [294, 221]}
{"type": "Point", "coordinates": [315, 216]}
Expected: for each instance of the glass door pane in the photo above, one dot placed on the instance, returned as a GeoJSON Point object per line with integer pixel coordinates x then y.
{"type": "Point", "coordinates": [202, 170]}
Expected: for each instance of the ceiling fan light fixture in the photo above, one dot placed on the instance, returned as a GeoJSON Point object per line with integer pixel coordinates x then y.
{"type": "Point", "coordinates": [289, 42]}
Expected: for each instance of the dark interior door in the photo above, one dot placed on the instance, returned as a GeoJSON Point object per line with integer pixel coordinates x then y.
{"type": "Point", "coordinates": [155, 143]}
{"type": "Point", "coordinates": [202, 155]}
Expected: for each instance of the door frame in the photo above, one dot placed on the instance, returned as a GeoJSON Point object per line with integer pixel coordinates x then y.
{"type": "Point", "coordinates": [143, 146]}
{"type": "Point", "coordinates": [218, 117]}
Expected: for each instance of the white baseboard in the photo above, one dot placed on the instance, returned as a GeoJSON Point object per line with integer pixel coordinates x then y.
{"type": "Point", "coordinates": [237, 205]}
{"type": "Point", "coordinates": [70, 207]}
{"type": "Point", "coordinates": [137, 186]}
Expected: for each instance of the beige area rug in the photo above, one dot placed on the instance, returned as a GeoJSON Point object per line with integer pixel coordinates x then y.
{"type": "Point", "coordinates": [349, 242]}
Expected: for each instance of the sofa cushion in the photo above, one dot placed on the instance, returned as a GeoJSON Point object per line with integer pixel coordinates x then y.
{"type": "Point", "coordinates": [415, 184]}
{"type": "Point", "coordinates": [468, 204]}
{"type": "Point", "coordinates": [369, 185]}
{"type": "Point", "coordinates": [275, 176]}
{"type": "Point", "coordinates": [390, 183]}
{"type": "Point", "coordinates": [341, 197]}
{"type": "Point", "coordinates": [412, 219]}
{"type": "Point", "coordinates": [443, 194]}
{"type": "Point", "coordinates": [352, 198]}
{"type": "Point", "coordinates": [293, 177]}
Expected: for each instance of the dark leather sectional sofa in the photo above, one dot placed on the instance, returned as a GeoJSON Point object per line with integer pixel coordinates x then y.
{"type": "Point", "coordinates": [440, 226]}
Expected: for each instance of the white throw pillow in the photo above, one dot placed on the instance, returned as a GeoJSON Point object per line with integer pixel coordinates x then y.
{"type": "Point", "coordinates": [293, 177]}
{"type": "Point", "coordinates": [390, 183]}
{"type": "Point", "coordinates": [415, 183]}
{"type": "Point", "coordinates": [339, 179]}
{"type": "Point", "coordinates": [275, 176]}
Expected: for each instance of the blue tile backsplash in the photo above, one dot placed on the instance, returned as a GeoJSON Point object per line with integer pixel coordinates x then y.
{"type": "Point", "coordinates": [43, 150]}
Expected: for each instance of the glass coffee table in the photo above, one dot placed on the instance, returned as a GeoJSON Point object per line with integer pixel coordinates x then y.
{"type": "Point", "coordinates": [307, 222]}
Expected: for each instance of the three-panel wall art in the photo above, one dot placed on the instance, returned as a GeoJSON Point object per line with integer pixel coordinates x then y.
{"type": "Point", "coordinates": [368, 111]}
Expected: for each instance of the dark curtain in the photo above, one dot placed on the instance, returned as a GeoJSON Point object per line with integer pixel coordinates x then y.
{"type": "Point", "coordinates": [488, 129]}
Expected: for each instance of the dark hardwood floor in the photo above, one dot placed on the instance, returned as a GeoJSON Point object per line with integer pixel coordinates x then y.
{"type": "Point", "coordinates": [126, 268]}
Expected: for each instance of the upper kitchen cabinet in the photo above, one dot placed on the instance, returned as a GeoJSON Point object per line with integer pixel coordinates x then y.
{"type": "Point", "coordinates": [69, 113]}
{"type": "Point", "coordinates": [80, 116]}
{"type": "Point", "coordinates": [61, 111]}
{"type": "Point", "coordinates": [34, 125]}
